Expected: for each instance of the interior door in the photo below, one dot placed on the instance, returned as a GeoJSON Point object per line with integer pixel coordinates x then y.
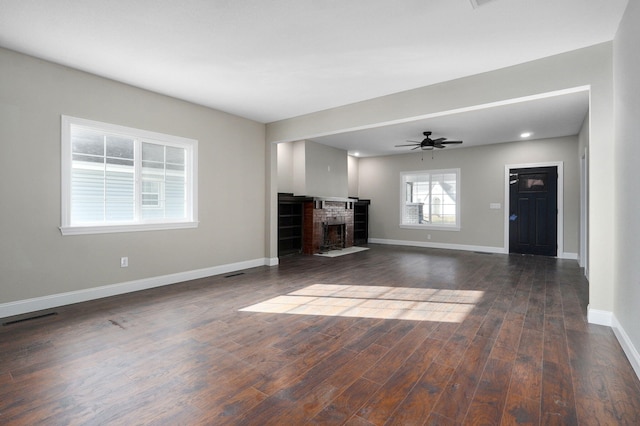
{"type": "Point", "coordinates": [533, 211]}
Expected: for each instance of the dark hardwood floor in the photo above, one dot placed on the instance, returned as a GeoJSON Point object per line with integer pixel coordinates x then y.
{"type": "Point", "coordinates": [492, 339]}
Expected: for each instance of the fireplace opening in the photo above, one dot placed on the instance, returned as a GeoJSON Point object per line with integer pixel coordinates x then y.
{"type": "Point", "coordinates": [334, 235]}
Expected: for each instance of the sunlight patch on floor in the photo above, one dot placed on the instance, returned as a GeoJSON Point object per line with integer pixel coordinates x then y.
{"type": "Point", "coordinates": [403, 303]}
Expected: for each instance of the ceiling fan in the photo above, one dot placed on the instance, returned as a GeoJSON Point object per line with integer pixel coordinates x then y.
{"type": "Point", "coordinates": [427, 143]}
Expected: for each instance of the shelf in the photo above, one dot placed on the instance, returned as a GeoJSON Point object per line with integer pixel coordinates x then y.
{"type": "Point", "coordinates": [289, 225]}
{"type": "Point", "coordinates": [361, 222]}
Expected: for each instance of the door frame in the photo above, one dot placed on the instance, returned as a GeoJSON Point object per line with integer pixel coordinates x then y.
{"type": "Point", "coordinates": [560, 202]}
{"type": "Point", "coordinates": [583, 256]}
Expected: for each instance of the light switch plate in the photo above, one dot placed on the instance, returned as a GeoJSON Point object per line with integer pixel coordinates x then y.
{"type": "Point", "coordinates": [495, 206]}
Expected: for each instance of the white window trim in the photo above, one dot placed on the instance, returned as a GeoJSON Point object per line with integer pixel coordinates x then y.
{"type": "Point", "coordinates": [191, 220]}
{"type": "Point", "coordinates": [458, 224]}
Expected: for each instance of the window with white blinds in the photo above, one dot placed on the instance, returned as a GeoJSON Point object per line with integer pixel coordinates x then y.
{"type": "Point", "coordinates": [117, 179]}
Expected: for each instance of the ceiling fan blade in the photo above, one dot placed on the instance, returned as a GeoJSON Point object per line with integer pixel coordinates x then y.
{"type": "Point", "coordinates": [439, 146]}
{"type": "Point", "coordinates": [415, 147]}
{"type": "Point", "coordinates": [409, 144]}
{"type": "Point", "coordinates": [451, 142]}
{"type": "Point", "coordinates": [439, 140]}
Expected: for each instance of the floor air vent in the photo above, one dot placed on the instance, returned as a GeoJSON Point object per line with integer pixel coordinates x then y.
{"type": "Point", "coordinates": [234, 275]}
{"type": "Point", "coordinates": [48, 314]}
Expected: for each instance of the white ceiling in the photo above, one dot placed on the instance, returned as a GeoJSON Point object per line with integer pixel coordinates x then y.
{"type": "Point", "coordinates": [269, 60]}
{"type": "Point", "coordinates": [545, 116]}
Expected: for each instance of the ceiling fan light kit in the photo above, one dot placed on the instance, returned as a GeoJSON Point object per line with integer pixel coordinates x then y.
{"type": "Point", "coordinates": [428, 144]}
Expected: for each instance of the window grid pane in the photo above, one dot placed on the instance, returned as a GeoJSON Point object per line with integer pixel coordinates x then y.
{"type": "Point", "coordinates": [164, 168]}
{"type": "Point", "coordinates": [430, 198]}
{"type": "Point", "coordinates": [102, 179]}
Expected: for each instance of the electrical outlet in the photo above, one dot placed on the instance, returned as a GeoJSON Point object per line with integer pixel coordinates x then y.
{"type": "Point", "coordinates": [428, 236]}
{"type": "Point", "coordinates": [124, 262]}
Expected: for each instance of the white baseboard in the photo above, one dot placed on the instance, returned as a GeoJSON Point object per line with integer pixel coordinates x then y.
{"type": "Point", "coordinates": [484, 249]}
{"type": "Point", "coordinates": [595, 316]}
{"type": "Point", "coordinates": [569, 256]}
{"type": "Point", "coordinates": [608, 319]}
{"type": "Point", "coordinates": [52, 301]}
{"type": "Point", "coordinates": [627, 346]}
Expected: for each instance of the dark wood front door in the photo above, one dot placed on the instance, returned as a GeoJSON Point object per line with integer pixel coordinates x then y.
{"type": "Point", "coordinates": [533, 211]}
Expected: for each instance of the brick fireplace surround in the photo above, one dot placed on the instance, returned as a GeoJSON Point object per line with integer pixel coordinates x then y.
{"type": "Point", "coordinates": [321, 211]}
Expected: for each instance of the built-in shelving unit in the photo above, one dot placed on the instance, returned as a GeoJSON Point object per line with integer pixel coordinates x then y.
{"type": "Point", "coordinates": [290, 221]}
{"type": "Point", "coordinates": [361, 222]}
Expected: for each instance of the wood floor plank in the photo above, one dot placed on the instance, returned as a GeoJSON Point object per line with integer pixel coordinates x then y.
{"type": "Point", "coordinates": [526, 380]}
{"type": "Point", "coordinates": [489, 400]}
{"type": "Point", "coordinates": [401, 351]}
{"type": "Point", "coordinates": [391, 337]}
{"type": "Point", "coordinates": [300, 362]}
{"type": "Point", "coordinates": [627, 410]}
{"type": "Point", "coordinates": [534, 319]}
{"type": "Point", "coordinates": [558, 403]}
{"type": "Point", "coordinates": [436, 419]}
{"type": "Point", "coordinates": [491, 325]}
{"type": "Point", "coordinates": [357, 421]}
{"type": "Point", "coordinates": [343, 407]}
{"type": "Point", "coordinates": [458, 394]}
{"type": "Point", "coordinates": [285, 398]}
{"type": "Point", "coordinates": [381, 405]}
{"type": "Point", "coordinates": [453, 350]}
{"type": "Point", "coordinates": [321, 395]}
{"type": "Point", "coordinates": [521, 411]}
{"type": "Point", "coordinates": [524, 352]}
{"type": "Point", "coordinates": [416, 407]}
{"type": "Point", "coordinates": [589, 377]}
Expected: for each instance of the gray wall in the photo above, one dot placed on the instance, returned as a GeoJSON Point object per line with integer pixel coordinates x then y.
{"type": "Point", "coordinates": [36, 260]}
{"type": "Point", "coordinates": [326, 169]}
{"type": "Point", "coordinates": [285, 167]}
{"type": "Point", "coordinates": [482, 172]}
{"type": "Point", "coordinates": [309, 168]}
{"type": "Point", "coordinates": [626, 285]}
{"type": "Point", "coordinates": [353, 171]}
{"type": "Point", "coordinates": [299, 168]}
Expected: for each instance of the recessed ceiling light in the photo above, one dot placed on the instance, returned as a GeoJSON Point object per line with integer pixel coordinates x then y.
{"type": "Point", "coordinates": [525, 134]}
{"type": "Point", "coordinates": [356, 154]}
